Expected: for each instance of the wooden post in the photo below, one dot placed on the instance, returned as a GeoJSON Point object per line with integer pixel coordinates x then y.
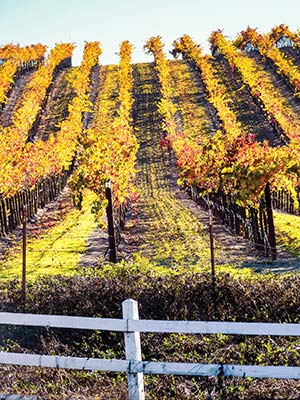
{"type": "Point", "coordinates": [212, 257]}
{"type": "Point", "coordinates": [212, 249]}
{"type": "Point", "coordinates": [133, 351]}
{"type": "Point", "coordinates": [271, 230]}
{"type": "Point", "coordinates": [24, 239]}
{"type": "Point", "coordinates": [110, 225]}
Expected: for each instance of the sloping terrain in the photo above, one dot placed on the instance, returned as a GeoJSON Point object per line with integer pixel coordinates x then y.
{"type": "Point", "coordinates": [164, 225]}
{"type": "Point", "coordinates": [164, 259]}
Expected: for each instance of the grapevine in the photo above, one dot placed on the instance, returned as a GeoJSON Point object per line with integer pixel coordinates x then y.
{"type": "Point", "coordinates": [26, 164]}
{"type": "Point", "coordinates": [230, 161]}
{"type": "Point", "coordinates": [110, 146]}
{"type": "Point", "coordinates": [17, 58]}
{"type": "Point", "coordinates": [267, 49]}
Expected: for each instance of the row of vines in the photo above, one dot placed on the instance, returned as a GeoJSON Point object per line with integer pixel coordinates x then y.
{"type": "Point", "coordinates": [108, 149]}
{"type": "Point", "coordinates": [226, 169]}
{"type": "Point", "coordinates": [33, 173]}
{"type": "Point", "coordinates": [224, 165]}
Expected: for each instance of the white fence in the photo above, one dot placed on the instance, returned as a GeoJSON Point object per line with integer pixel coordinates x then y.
{"type": "Point", "coordinates": [133, 364]}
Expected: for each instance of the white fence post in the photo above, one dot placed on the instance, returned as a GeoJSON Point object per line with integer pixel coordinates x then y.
{"type": "Point", "coordinates": [133, 351]}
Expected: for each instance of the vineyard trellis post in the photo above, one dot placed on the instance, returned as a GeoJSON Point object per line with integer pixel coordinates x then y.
{"type": "Point", "coordinates": [212, 253]}
{"type": "Point", "coordinates": [211, 241]}
{"type": "Point", "coordinates": [24, 240]}
{"type": "Point", "coordinates": [110, 224]}
{"type": "Point", "coordinates": [271, 233]}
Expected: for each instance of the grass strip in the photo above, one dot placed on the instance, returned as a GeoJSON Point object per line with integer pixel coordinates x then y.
{"type": "Point", "coordinates": [58, 250]}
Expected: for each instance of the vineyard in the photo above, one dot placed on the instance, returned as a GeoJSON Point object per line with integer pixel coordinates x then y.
{"type": "Point", "coordinates": [130, 179]}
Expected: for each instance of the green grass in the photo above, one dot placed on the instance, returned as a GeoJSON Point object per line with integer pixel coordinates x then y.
{"type": "Point", "coordinates": [58, 250]}
{"type": "Point", "coordinates": [288, 231]}
{"type": "Point", "coordinates": [170, 235]}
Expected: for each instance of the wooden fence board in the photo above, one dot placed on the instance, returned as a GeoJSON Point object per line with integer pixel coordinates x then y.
{"type": "Point", "coordinates": [133, 365]}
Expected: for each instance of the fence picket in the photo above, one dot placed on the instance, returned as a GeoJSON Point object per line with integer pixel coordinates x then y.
{"type": "Point", "coordinates": [133, 351]}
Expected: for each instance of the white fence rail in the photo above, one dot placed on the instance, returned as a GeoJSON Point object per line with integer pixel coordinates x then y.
{"type": "Point", "coordinates": [133, 364]}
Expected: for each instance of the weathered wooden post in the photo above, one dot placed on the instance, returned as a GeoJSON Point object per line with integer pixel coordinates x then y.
{"type": "Point", "coordinates": [24, 240]}
{"type": "Point", "coordinates": [271, 230]}
{"type": "Point", "coordinates": [110, 224]}
{"type": "Point", "coordinates": [133, 351]}
{"type": "Point", "coordinates": [212, 256]}
{"type": "Point", "coordinates": [212, 248]}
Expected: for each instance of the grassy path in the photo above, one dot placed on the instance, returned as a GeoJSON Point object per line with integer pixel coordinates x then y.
{"type": "Point", "coordinates": [288, 231]}
{"type": "Point", "coordinates": [242, 103]}
{"type": "Point", "coordinates": [166, 231]}
{"type": "Point", "coordinates": [56, 107]}
{"type": "Point", "coordinates": [170, 229]}
{"type": "Point", "coordinates": [56, 240]}
{"type": "Point", "coordinates": [173, 229]}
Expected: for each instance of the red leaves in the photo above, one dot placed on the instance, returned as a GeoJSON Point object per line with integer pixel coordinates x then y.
{"type": "Point", "coordinates": [165, 144]}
